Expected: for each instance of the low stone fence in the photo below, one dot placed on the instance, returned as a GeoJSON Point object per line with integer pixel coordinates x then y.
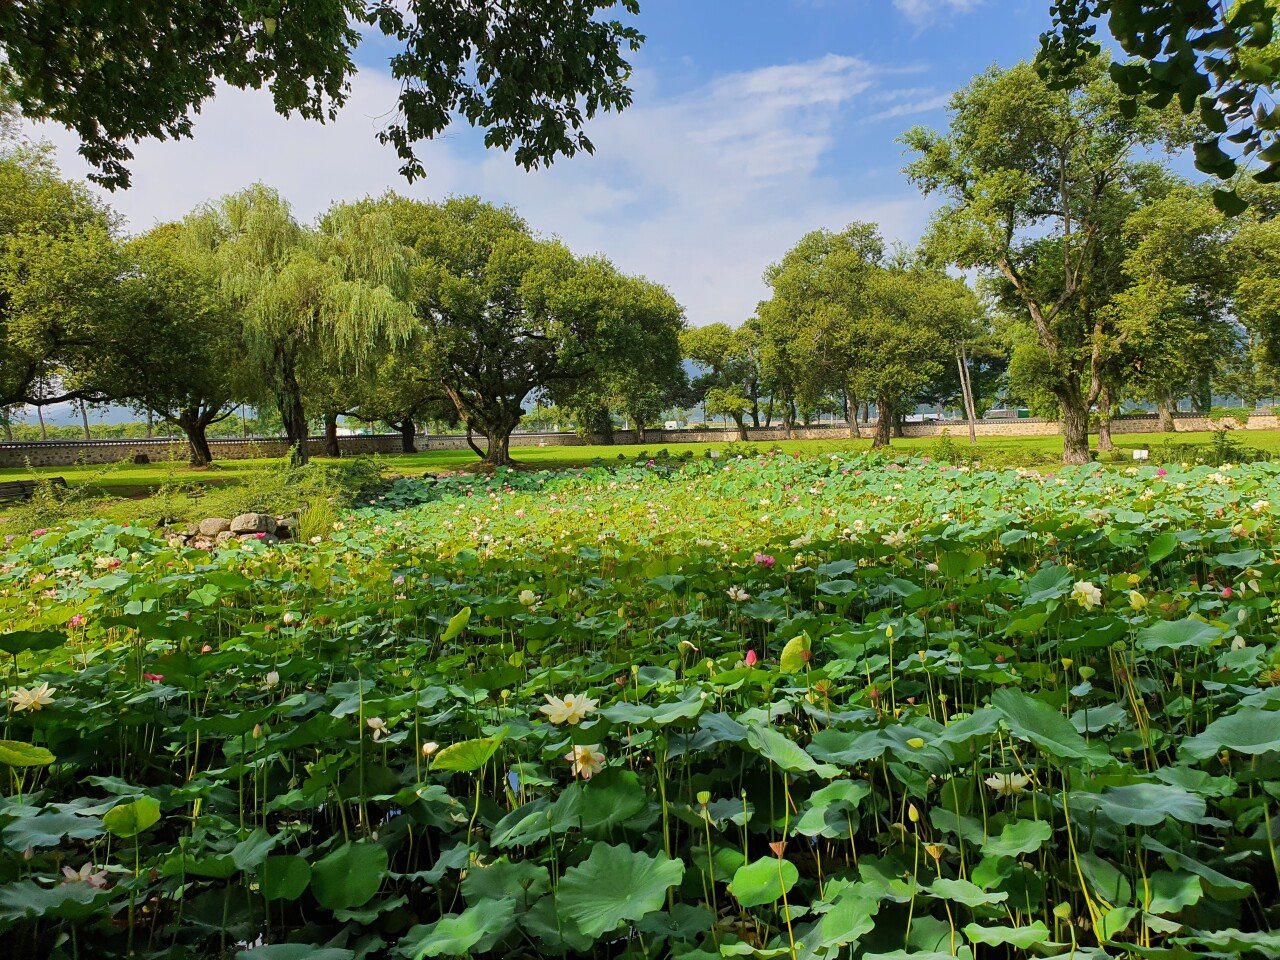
{"type": "Point", "coordinates": [63, 453]}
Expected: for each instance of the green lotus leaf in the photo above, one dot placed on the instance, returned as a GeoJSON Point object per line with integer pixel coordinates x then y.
{"type": "Point", "coordinates": [763, 881]}
{"type": "Point", "coordinates": [613, 885]}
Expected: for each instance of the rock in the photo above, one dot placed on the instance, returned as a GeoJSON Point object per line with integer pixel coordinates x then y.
{"type": "Point", "coordinates": [226, 536]}
{"type": "Point", "coordinates": [253, 523]}
{"type": "Point", "coordinates": [213, 526]}
{"type": "Point", "coordinates": [201, 543]}
{"type": "Point", "coordinates": [286, 527]}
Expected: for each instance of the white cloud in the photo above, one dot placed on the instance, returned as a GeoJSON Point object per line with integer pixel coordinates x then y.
{"type": "Point", "coordinates": [698, 190]}
{"type": "Point", "coordinates": [922, 12]}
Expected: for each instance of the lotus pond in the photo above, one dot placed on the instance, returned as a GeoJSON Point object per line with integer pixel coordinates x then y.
{"type": "Point", "coordinates": [767, 708]}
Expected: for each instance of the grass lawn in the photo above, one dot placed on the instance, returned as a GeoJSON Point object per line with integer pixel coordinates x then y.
{"type": "Point", "coordinates": [124, 491]}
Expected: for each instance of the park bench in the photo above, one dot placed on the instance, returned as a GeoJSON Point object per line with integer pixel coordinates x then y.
{"type": "Point", "coordinates": [19, 490]}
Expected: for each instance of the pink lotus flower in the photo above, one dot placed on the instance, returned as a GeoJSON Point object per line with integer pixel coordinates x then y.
{"type": "Point", "coordinates": [40, 533]}
{"type": "Point", "coordinates": [78, 620]}
{"type": "Point", "coordinates": [1162, 472]}
{"type": "Point", "coordinates": [1227, 593]}
{"type": "Point", "coordinates": [259, 536]}
{"type": "Point", "coordinates": [765, 560]}
{"type": "Point", "coordinates": [750, 659]}
{"type": "Point", "coordinates": [153, 677]}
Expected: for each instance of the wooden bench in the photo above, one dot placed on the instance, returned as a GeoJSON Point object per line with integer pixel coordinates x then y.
{"type": "Point", "coordinates": [19, 490]}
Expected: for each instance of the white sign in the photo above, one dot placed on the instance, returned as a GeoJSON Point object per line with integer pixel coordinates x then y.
{"type": "Point", "coordinates": [1141, 454]}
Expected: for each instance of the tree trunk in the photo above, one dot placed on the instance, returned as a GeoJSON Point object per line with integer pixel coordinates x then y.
{"type": "Point", "coordinates": [84, 418]}
{"type": "Point", "coordinates": [1164, 410]}
{"type": "Point", "coordinates": [899, 419]}
{"type": "Point", "coordinates": [788, 419]}
{"type": "Point", "coordinates": [851, 415]}
{"type": "Point", "coordinates": [407, 430]}
{"type": "Point", "coordinates": [741, 423]}
{"type": "Point", "coordinates": [1104, 420]}
{"type": "Point", "coordinates": [884, 425]}
{"type": "Point", "coordinates": [44, 431]}
{"type": "Point", "coordinates": [331, 446]}
{"type": "Point", "coordinates": [193, 426]}
{"type": "Point", "coordinates": [8, 426]}
{"type": "Point", "coordinates": [292, 414]}
{"type": "Point", "coordinates": [472, 444]}
{"type": "Point", "coordinates": [1075, 427]}
{"type": "Point", "coordinates": [151, 425]}
{"type": "Point", "coordinates": [966, 392]}
{"type": "Point", "coordinates": [499, 454]}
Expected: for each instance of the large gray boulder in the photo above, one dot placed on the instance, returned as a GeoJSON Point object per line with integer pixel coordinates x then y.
{"type": "Point", "coordinates": [213, 526]}
{"type": "Point", "coordinates": [253, 523]}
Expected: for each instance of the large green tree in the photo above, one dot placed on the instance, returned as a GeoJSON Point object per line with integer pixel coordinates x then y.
{"type": "Point", "coordinates": [496, 319]}
{"type": "Point", "coordinates": [809, 326]}
{"type": "Point", "coordinates": [177, 351]}
{"type": "Point", "coordinates": [59, 261]}
{"type": "Point", "coordinates": [1038, 184]}
{"type": "Point", "coordinates": [635, 362]}
{"type": "Point", "coordinates": [527, 72]}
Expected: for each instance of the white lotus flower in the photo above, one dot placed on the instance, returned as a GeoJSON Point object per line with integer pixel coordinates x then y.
{"type": "Point", "coordinates": [738, 595]}
{"type": "Point", "coordinates": [894, 539]}
{"type": "Point", "coordinates": [378, 726]}
{"type": "Point", "coordinates": [1007, 784]}
{"type": "Point", "coordinates": [86, 874]}
{"type": "Point", "coordinates": [571, 709]}
{"type": "Point", "coordinates": [587, 760]}
{"type": "Point", "coordinates": [271, 679]}
{"type": "Point", "coordinates": [1086, 594]}
{"type": "Point", "coordinates": [528, 599]}
{"type": "Point", "coordinates": [31, 698]}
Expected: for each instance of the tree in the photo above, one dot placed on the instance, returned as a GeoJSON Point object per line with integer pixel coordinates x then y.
{"type": "Point", "coordinates": [403, 393]}
{"type": "Point", "coordinates": [178, 350]}
{"type": "Point", "coordinates": [499, 321]}
{"type": "Point", "coordinates": [59, 260]}
{"type": "Point", "coordinates": [338, 291]}
{"type": "Point", "coordinates": [1217, 60]}
{"type": "Point", "coordinates": [529, 72]}
{"type": "Point", "coordinates": [728, 358]}
{"type": "Point", "coordinates": [810, 340]}
{"type": "Point", "coordinates": [1038, 182]}
{"type": "Point", "coordinates": [635, 362]}
{"type": "Point", "coordinates": [907, 336]}
{"type": "Point", "coordinates": [1172, 321]}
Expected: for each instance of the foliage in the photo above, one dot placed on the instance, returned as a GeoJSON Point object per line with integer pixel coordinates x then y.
{"type": "Point", "coordinates": [1217, 61]}
{"type": "Point", "coordinates": [117, 71]}
{"type": "Point", "coordinates": [830, 701]}
{"type": "Point", "coordinates": [1039, 183]}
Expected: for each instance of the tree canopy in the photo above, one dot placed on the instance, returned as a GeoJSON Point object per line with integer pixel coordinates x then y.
{"type": "Point", "coordinates": [529, 73]}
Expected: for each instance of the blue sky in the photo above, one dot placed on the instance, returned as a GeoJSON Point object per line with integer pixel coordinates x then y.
{"type": "Point", "coordinates": [754, 121]}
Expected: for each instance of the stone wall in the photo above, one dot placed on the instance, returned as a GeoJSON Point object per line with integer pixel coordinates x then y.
{"type": "Point", "coordinates": [62, 453]}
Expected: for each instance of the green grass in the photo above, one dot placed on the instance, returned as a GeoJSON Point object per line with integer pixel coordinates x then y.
{"type": "Point", "coordinates": [125, 491]}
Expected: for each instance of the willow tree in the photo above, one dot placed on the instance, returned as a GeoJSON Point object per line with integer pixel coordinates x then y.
{"type": "Point", "coordinates": [334, 294]}
{"type": "Point", "coordinates": [1036, 181]}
